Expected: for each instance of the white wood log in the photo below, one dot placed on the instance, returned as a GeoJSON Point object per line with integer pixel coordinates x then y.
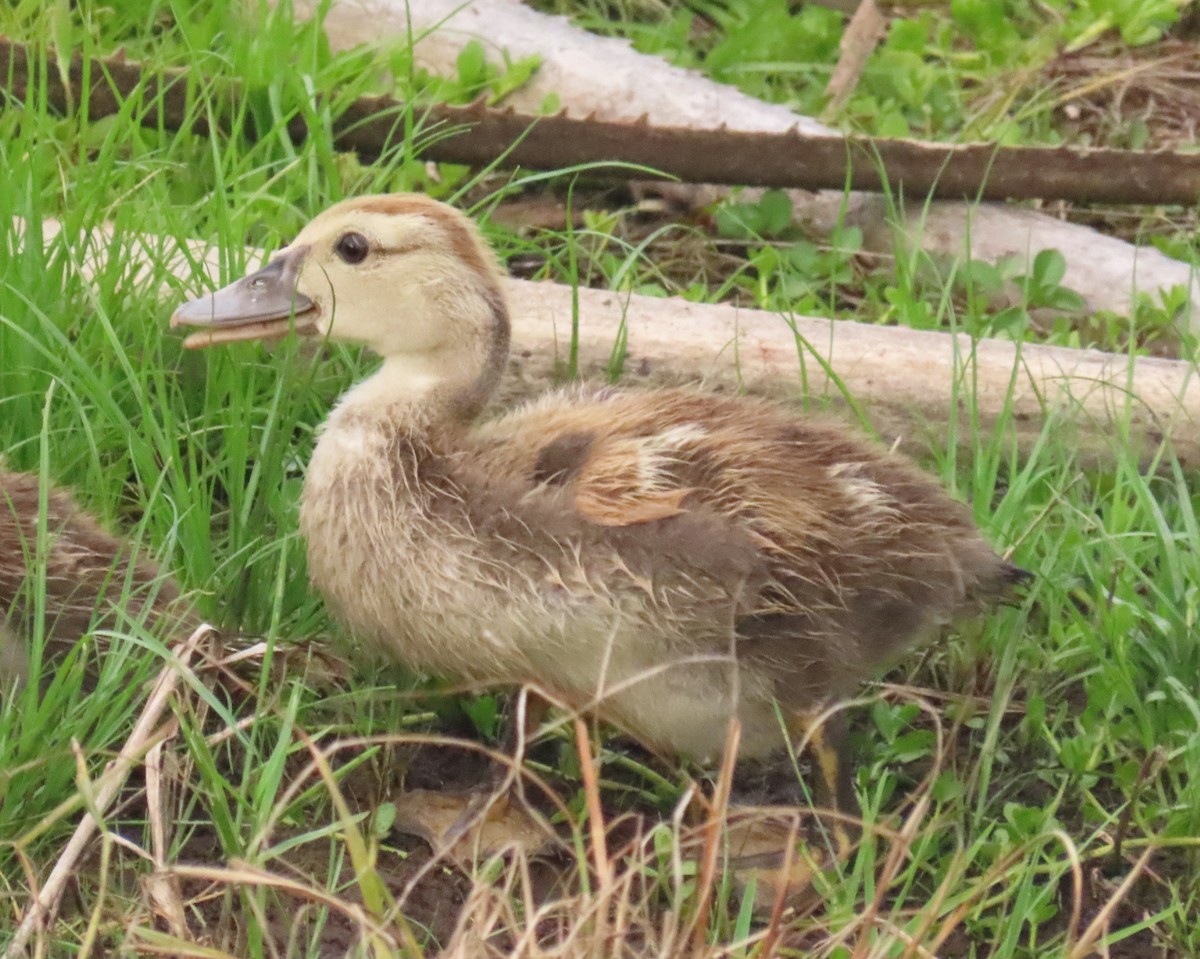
{"type": "Point", "coordinates": [915, 385]}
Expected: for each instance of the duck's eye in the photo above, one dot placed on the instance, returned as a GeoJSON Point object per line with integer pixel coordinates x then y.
{"type": "Point", "coordinates": [352, 247]}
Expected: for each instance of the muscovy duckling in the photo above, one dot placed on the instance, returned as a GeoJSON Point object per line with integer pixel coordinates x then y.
{"type": "Point", "coordinates": [93, 579]}
{"type": "Point", "coordinates": [668, 559]}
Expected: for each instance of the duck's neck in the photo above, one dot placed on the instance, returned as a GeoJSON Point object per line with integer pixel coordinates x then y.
{"type": "Point", "coordinates": [380, 438]}
{"type": "Point", "coordinates": [417, 391]}
{"type": "Point", "coordinates": [449, 385]}
{"type": "Point", "coordinates": [405, 383]}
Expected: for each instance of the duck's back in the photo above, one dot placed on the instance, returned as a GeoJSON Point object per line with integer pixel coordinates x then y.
{"type": "Point", "coordinates": [836, 523]}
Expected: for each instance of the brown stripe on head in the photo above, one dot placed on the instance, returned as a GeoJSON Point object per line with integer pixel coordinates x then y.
{"type": "Point", "coordinates": [464, 239]}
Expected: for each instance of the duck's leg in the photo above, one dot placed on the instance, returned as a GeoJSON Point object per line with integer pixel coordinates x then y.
{"type": "Point", "coordinates": [825, 735]}
{"type": "Point", "coordinates": [776, 852]}
{"type": "Point", "coordinates": [526, 715]}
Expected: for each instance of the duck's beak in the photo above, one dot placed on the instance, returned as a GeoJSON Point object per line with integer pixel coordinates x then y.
{"type": "Point", "coordinates": [262, 306]}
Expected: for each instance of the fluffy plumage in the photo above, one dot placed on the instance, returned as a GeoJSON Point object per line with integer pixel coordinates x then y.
{"type": "Point", "coordinates": [667, 558]}
{"type": "Point", "coordinates": [92, 578]}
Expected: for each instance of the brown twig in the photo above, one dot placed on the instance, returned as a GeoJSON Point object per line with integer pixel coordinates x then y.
{"type": "Point", "coordinates": [717, 816]}
{"type": "Point", "coordinates": [1083, 947]}
{"type": "Point", "coordinates": [1149, 762]}
{"type": "Point", "coordinates": [162, 888]}
{"type": "Point", "coordinates": [591, 789]}
{"type": "Point", "coordinates": [864, 31]}
{"type": "Point", "coordinates": [774, 930]}
{"type": "Point", "coordinates": [239, 873]}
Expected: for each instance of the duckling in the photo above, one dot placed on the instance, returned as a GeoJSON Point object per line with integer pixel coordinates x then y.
{"type": "Point", "coordinates": [92, 578]}
{"type": "Point", "coordinates": [667, 559]}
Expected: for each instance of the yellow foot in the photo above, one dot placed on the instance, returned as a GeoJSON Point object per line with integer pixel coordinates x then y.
{"type": "Point", "coordinates": [470, 827]}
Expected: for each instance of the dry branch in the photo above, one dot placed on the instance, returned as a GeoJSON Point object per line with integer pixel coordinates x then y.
{"type": "Point", "coordinates": [864, 31]}
{"type": "Point", "coordinates": [916, 384]}
{"type": "Point", "coordinates": [479, 135]}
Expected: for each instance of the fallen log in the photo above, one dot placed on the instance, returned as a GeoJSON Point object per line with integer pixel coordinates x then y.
{"type": "Point", "coordinates": [606, 79]}
{"type": "Point", "coordinates": [1105, 271]}
{"type": "Point", "coordinates": [917, 387]}
{"type": "Point", "coordinates": [914, 384]}
{"type": "Point", "coordinates": [787, 157]}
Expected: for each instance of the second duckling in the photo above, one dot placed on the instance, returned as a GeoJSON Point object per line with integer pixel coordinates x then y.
{"type": "Point", "coordinates": [93, 580]}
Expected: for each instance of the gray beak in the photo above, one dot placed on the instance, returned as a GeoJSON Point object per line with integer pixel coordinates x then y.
{"type": "Point", "coordinates": [263, 305]}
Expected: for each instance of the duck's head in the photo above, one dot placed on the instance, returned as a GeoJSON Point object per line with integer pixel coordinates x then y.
{"type": "Point", "coordinates": [405, 275]}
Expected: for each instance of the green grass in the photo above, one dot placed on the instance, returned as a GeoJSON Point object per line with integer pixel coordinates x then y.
{"type": "Point", "coordinates": [1039, 739]}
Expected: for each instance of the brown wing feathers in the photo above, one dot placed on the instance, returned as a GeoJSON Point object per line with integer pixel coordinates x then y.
{"type": "Point", "coordinates": [858, 549]}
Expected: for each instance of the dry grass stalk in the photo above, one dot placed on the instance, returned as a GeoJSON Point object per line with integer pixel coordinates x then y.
{"type": "Point", "coordinates": [1076, 883]}
{"type": "Point", "coordinates": [619, 920]}
{"type": "Point", "coordinates": [161, 888]}
{"type": "Point", "coordinates": [1104, 89]}
{"type": "Point", "coordinates": [1103, 919]}
{"type": "Point", "coordinates": [587, 769]}
{"type": "Point", "coordinates": [718, 813]}
{"type": "Point", "coordinates": [900, 846]}
{"type": "Point", "coordinates": [375, 931]}
{"type": "Point", "coordinates": [144, 735]}
{"type": "Point", "coordinates": [774, 931]}
{"type": "Point", "coordinates": [645, 907]}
